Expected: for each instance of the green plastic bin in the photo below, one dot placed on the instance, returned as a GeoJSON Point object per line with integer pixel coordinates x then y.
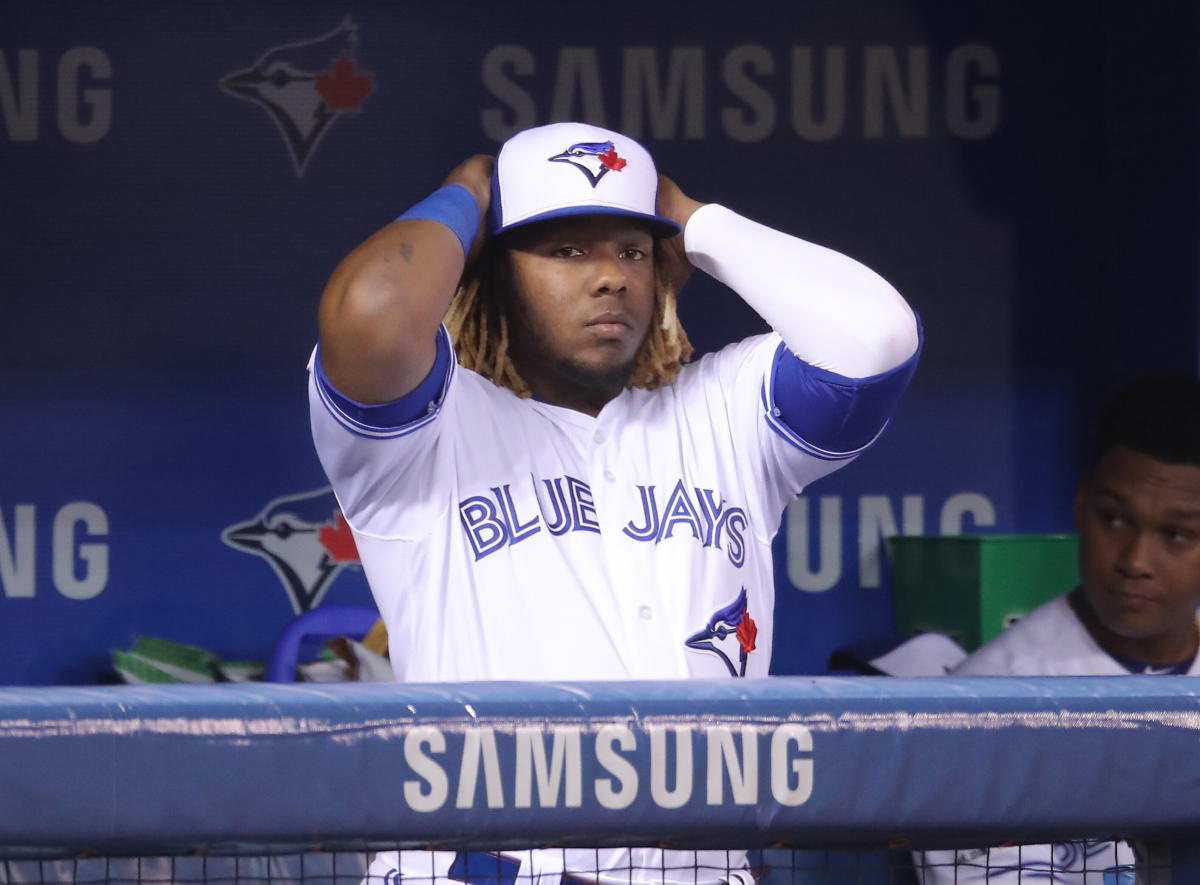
{"type": "Point", "coordinates": [971, 587]}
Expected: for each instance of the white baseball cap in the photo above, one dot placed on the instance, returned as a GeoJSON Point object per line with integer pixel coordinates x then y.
{"type": "Point", "coordinates": [566, 169]}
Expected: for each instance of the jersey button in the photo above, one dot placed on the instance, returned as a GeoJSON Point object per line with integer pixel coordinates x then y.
{"type": "Point", "coordinates": [646, 612]}
{"type": "Point", "coordinates": [599, 436]}
{"type": "Point", "coordinates": [610, 476]}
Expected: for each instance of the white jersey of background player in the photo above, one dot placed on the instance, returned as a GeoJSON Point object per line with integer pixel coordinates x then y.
{"type": "Point", "coordinates": [566, 502]}
{"type": "Point", "coordinates": [1138, 516]}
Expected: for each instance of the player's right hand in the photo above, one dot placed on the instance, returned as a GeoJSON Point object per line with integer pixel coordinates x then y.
{"type": "Point", "coordinates": [475, 174]}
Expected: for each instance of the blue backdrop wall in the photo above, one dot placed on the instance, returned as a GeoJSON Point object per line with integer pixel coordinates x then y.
{"type": "Point", "coordinates": [179, 180]}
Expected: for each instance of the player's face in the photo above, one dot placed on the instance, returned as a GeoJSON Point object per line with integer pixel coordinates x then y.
{"type": "Point", "coordinates": [583, 296]}
{"type": "Point", "coordinates": [1139, 557]}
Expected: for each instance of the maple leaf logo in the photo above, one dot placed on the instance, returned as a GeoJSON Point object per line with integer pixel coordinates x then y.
{"type": "Point", "coordinates": [338, 540]}
{"type": "Point", "coordinates": [611, 161]}
{"type": "Point", "coordinates": [747, 632]}
{"type": "Point", "coordinates": [344, 88]}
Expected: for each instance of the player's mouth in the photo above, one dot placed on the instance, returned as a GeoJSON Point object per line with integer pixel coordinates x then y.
{"type": "Point", "coordinates": [1131, 602]}
{"type": "Point", "coordinates": [610, 324]}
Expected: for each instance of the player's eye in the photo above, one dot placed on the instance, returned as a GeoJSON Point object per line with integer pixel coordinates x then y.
{"type": "Point", "coordinates": [633, 253]}
{"type": "Point", "coordinates": [1178, 536]}
{"type": "Point", "coordinates": [566, 252]}
{"type": "Point", "coordinates": [1110, 518]}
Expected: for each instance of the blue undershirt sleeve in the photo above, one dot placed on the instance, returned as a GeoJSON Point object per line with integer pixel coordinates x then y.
{"type": "Point", "coordinates": [833, 414]}
{"type": "Point", "coordinates": [426, 398]}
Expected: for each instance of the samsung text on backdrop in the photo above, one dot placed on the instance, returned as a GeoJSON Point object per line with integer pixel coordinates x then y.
{"type": "Point", "coordinates": [750, 92]}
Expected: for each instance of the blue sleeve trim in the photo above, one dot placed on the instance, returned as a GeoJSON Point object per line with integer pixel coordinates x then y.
{"type": "Point", "coordinates": [453, 206]}
{"type": "Point", "coordinates": [399, 417]}
{"type": "Point", "coordinates": [828, 415]}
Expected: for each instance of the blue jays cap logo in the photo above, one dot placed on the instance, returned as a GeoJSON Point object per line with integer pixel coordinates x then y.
{"type": "Point", "coordinates": [731, 621]}
{"type": "Point", "coordinates": [304, 87]}
{"type": "Point", "coordinates": [306, 541]}
{"type": "Point", "coordinates": [595, 159]}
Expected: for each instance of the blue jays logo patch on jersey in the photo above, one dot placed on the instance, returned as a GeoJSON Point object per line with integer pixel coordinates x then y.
{"type": "Point", "coordinates": [595, 159]}
{"type": "Point", "coordinates": [305, 540]}
{"type": "Point", "coordinates": [304, 87]}
{"type": "Point", "coordinates": [732, 621]}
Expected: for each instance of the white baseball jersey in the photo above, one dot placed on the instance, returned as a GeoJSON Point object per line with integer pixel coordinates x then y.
{"type": "Point", "coordinates": [509, 539]}
{"type": "Point", "coordinates": [1049, 641]}
{"type": "Point", "coordinates": [506, 538]}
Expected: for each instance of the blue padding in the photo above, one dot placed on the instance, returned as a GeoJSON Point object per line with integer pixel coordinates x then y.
{"type": "Point", "coordinates": [840, 762]}
{"type": "Point", "coordinates": [411, 407]}
{"type": "Point", "coordinates": [453, 206]}
{"type": "Point", "coordinates": [833, 412]}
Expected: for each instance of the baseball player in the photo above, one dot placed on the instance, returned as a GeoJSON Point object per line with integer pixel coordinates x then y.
{"type": "Point", "coordinates": [540, 485]}
{"type": "Point", "coordinates": [1137, 512]}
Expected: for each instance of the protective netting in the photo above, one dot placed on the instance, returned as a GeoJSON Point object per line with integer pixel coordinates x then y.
{"type": "Point", "coordinates": [1085, 863]}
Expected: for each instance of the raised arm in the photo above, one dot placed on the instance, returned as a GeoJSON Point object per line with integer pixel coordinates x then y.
{"type": "Point", "coordinates": [831, 311]}
{"type": "Point", "coordinates": [851, 340]}
{"type": "Point", "coordinates": [381, 308]}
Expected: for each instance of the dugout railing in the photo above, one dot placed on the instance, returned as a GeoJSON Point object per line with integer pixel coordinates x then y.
{"type": "Point", "coordinates": [811, 763]}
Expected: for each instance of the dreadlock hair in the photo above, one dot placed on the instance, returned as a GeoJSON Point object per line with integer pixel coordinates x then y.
{"type": "Point", "coordinates": [479, 315]}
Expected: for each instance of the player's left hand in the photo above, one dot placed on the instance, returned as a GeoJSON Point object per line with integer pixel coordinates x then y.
{"type": "Point", "coordinates": [674, 204]}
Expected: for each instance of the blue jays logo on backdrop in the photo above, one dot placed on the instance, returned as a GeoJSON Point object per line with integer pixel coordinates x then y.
{"type": "Point", "coordinates": [595, 159]}
{"type": "Point", "coordinates": [305, 86]}
{"type": "Point", "coordinates": [731, 621]}
{"type": "Point", "coordinates": [304, 538]}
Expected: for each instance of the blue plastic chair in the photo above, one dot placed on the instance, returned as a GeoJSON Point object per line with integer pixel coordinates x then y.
{"type": "Point", "coordinates": [321, 623]}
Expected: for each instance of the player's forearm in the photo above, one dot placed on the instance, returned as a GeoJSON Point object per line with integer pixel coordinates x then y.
{"type": "Point", "coordinates": [381, 309]}
{"type": "Point", "coordinates": [830, 310]}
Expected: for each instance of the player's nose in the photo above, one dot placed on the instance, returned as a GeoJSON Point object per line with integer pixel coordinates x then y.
{"type": "Point", "coordinates": [1134, 555]}
{"type": "Point", "coordinates": [608, 275]}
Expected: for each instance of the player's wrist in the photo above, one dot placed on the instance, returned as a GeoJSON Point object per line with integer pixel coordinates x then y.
{"type": "Point", "coordinates": [475, 174]}
{"type": "Point", "coordinates": [454, 206]}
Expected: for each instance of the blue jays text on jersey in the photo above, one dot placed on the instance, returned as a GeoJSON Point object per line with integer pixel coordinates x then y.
{"type": "Point", "coordinates": [566, 504]}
